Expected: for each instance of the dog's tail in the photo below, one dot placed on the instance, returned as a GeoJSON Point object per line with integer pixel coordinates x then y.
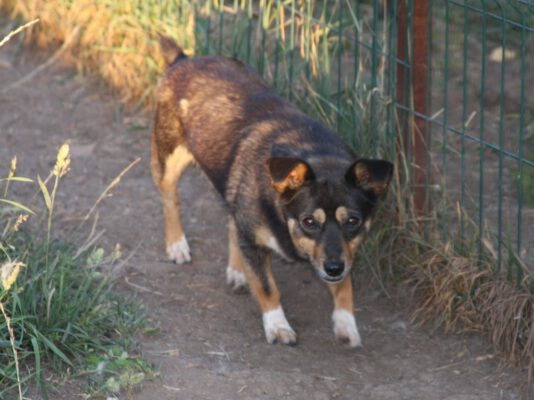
{"type": "Point", "coordinates": [172, 53]}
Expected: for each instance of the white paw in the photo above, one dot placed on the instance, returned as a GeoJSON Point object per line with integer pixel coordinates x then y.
{"type": "Point", "coordinates": [345, 328]}
{"type": "Point", "coordinates": [179, 251]}
{"type": "Point", "coordinates": [236, 279]}
{"type": "Point", "coordinates": [277, 329]}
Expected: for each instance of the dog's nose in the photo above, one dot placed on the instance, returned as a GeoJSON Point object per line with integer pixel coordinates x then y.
{"type": "Point", "coordinates": [333, 268]}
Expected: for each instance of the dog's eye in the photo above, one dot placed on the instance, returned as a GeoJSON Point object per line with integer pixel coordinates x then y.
{"type": "Point", "coordinates": [309, 222]}
{"type": "Point", "coordinates": [353, 222]}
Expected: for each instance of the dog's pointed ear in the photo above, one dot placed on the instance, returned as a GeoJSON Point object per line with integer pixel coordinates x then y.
{"type": "Point", "coordinates": [288, 173]}
{"type": "Point", "coordinates": [373, 175]}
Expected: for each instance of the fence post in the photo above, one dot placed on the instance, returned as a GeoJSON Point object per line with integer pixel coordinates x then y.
{"type": "Point", "coordinates": [412, 51]}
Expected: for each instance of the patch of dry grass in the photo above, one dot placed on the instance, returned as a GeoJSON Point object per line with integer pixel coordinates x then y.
{"type": "Point", "coordinates": [454, 291]}
{"type": "Point", "coordinates": [461, 293]}
{"type": "Point", "coordinates": [116, 40]}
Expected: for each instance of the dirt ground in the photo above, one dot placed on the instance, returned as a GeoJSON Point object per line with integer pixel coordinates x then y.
{"type": "Point", "coordinates": [210, 343]}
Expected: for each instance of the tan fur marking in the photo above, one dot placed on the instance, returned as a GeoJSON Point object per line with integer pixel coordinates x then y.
{"type": "Point", "coordinates": [266, 302]}
{"type": "Point", "coordinates": [350, 249]}
{"type": "Point", "coordinates": [364, 178]}
{"type": "Point", "coordinates": [341, 214]}
{"type": "Point", "coordinates": [362, 174]}
{"type": "Point", "coordinates": [319, 256]}
{"type": "Point", "coordinates": [175, 165]}
{"type": "Point", "coordinates": [294, 179]}
{"type": "Point", "coordinates": [368, 224]}
{"type": "Point", "coordinates": [304, 245]}
{"type": "Point", "coordinates": [319, 215]}
{"type": "Point", "coordinates": [354, 244]}
{"type": "Point", "coordinates": [154, 163]}
{"type": "Point", "coordinates": [165, 92]}
{"type": "Point", "coordinates": [342, 294]}
{"type": "Point", "coordinates": [235, 259]}
{"type": "Point", "coordinates": [184, 107]}
{"type": "Point", "coordinates": [262, 235]}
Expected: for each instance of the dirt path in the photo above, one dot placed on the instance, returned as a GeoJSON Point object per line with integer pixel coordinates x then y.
{"type": "Point", "coordinates": [211, 343]}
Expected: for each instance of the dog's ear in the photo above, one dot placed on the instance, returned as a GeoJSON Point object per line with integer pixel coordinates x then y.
{"type": "Point", "coordinates": [371, 175]}
{"type": "Point", "coordinates": [288, 173]}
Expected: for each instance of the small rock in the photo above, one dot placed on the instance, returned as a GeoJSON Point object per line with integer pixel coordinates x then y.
{"type": "Point", "coordinates": [398, 326]}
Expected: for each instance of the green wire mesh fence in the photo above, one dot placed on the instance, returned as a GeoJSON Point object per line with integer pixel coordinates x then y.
{"type": "Point", "coordinates": [444, 82]}
{"type": "Point", "coordinates": [482, 125]}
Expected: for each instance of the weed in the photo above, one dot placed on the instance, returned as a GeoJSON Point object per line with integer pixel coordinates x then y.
{"type": "Point", "coordinates": [58, 304]}
{"type": "Point", "coordinates": [115, 370]}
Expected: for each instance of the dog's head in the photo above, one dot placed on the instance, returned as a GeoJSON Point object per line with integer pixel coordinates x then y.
{"type": "Point", "coordinates": [328, 214]}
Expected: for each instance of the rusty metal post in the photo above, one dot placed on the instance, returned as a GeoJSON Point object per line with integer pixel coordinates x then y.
{"type": "Point", "coordinates": [412, 73]}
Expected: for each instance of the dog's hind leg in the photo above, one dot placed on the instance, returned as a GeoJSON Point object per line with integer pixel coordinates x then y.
{"type": "Point", "coordinates": [235, 274]}
{"type": "Point", "coordinates": [170, 158]}
{"type": "Point", "coordinates": [345, 328]}
{"type": "Point", "coordinates": [175, 240]}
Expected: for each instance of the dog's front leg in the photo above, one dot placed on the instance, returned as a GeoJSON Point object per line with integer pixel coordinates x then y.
{"type": "Point", "coordinates": [261, 282]}
{"type": "Point", "coordinates": [345, 327]}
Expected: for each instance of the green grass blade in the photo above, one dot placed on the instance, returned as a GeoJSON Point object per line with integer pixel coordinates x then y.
{"type": "Point", "coordinates": [52, 347]}
{"type": "Point", "coordinates": [46, 194]}
{"type": "Point", "coordinates": [16, 179]}
{"type": "Point", "coordinates": [38, 372]}
{"type": "Point", "coordinates": [16, 204]}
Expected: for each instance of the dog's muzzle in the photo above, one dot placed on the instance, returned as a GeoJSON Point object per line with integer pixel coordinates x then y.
{"type": "Point", "coordinates": [332, 271]}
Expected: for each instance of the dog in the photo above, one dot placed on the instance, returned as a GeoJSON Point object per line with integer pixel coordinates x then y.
{"type": "Point", "coordinates": [292, 186]}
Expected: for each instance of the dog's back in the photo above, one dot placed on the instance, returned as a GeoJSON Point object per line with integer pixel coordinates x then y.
{"type": "Point", "coordinates": [225, 111]}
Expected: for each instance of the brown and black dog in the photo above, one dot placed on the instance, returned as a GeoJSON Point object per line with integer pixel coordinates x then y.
{"type": "Point", "coordinates": [291, 185]}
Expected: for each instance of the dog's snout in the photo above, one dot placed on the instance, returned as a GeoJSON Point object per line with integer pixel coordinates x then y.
{"type": "Point", "coordinates": [333, 268]}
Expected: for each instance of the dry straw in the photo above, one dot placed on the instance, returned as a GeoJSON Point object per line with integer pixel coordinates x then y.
{"type": "Point", "coordinates": [463, 296]}
{"type": "Point", "coordinates": [117, 40]}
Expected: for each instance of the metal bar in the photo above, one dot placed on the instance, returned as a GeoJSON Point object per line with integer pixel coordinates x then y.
{"type": "Point", "coordinates": [307, 30]}
{"type": "Point", "coordinates": [291, 50]}
{"type": "Point", "coordinates": [421, 99]}
{"type": "Point", "coordinates": [444, 141]}
{"type": "Point", "coordinates": [464, 127]}
{"type": "Point", "coordinates": [235, 30]}
{"type": "Point", "coordinates": [428, 100]}
{"type": "Point", "coordinates": [357, 44]}
{"type": "Point", "coordinates": [356, 71]}
{"type": "Point", "coordinates": [339, 62]}
{"type": "Point", "coordinates": [374, 67]}
{"type": "Point", "coordinates": [414, 129]}
{"type": "Point", "coordinates": [277, 45]}
{"type": "Point", "coordinates": [261, 60]}
{"type": "Point", "coordinates": [481, 134]}
{"type": "Point", "coordinates": [483, 11]}
{"type": "Point", "coordinates": [391, 74]}
{"type": "Point", "coordinates": [474, 139]}
{"type": "Point", "coordinates": [401, 75]}
{"type": "Point", "coordinates": [208, 26]}
{"type": "Point", "coordinates": [521, 146]}
{"type": "Point", "coordinates": [249, 35]}
{"type": "Point", "coordinates": [221, 26]}
{"type": "Point", "coordinates": [501, 144]}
